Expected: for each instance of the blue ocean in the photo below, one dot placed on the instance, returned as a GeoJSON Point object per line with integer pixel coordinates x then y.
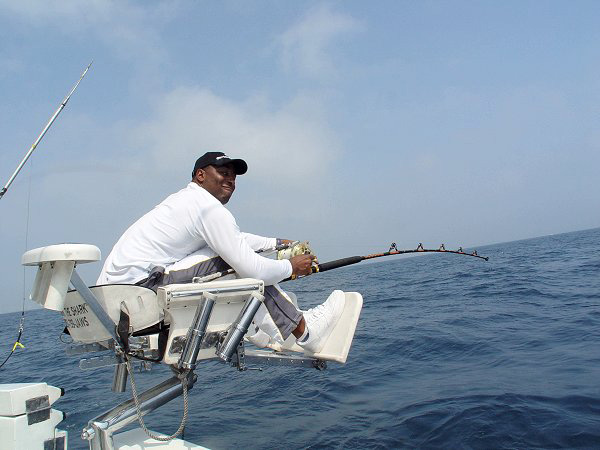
{"type": "Point", "coordinates": [450, 352]}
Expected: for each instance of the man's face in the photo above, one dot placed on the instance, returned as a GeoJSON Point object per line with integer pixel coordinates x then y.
{"type": "Point", "coordinates": [218, 180]}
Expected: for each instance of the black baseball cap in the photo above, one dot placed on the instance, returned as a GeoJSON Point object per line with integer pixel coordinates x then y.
{"type": "Point", "coordinates": [220, 159]}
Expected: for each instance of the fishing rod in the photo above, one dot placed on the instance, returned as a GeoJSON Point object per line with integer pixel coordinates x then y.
{"type": "Point", "coordinates": [46, 128]}
{"type": "Point", "coordinates": [337, 263]}
{"type": "Point", "coordinates": [316, 268]}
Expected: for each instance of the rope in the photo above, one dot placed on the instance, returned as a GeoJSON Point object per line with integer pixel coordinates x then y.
{"type": "Point", "coordinates": [184, 382]}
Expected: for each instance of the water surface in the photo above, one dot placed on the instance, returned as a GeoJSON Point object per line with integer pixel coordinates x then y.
{"type": "Point", "coordinates": [449, 352]}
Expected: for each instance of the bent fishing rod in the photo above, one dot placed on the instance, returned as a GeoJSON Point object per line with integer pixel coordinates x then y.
{"type": "Point", "coordinates": [46, 128]}
{"type": "Point", "coordinates": [335, 264]}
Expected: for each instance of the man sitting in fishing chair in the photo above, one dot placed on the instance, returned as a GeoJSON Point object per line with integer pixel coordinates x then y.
{"type": "Point", "coordinates": [191, 234]}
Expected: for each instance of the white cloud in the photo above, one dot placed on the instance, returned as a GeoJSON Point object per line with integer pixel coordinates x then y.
{"type": "Point", "coordinates": [306, 45]}
{"type": "Point", "coordinates": [289, 145]}
{"type": "Point", "coordinates": [128, 28]}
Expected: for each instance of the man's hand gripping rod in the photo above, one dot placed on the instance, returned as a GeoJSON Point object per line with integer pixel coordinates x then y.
{"type": "Point", "coordinates": [265, 252]}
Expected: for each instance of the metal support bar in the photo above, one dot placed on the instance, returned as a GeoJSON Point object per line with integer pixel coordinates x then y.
{"type": "Point", "coordinates": [216, 290]}
{"type": "Point", "coordinates": [91, 300]}
{"type": "Point", "coordinates": [101, 429]}
{"type": "Point", "coordinates": [120, 378]}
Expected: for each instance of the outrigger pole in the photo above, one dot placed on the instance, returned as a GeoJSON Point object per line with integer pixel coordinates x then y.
{"type": "Point", "coordinates": [323, 267]}
{"type": "Point", "coordinates": [48, 125]}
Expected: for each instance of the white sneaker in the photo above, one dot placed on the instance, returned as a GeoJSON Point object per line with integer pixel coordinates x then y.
{"type": "Point", "coordinates": [321, 320]}
{"type": "Point", "coordinates": [263, 332]}
{"type": "Point", "coordinates": [258, 337]}
{"type": "Point", "coordinates": [262, 340]}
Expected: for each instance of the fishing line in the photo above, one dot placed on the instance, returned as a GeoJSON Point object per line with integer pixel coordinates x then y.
{"type": "Point", "coordinates": [8, 184]}
{"type": "Point", "coordinates": [18, 343]}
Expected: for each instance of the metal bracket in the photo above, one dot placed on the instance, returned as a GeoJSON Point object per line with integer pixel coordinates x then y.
{"type": "Point", "coordinates": [239, 361]}
{"type": "Point", "coordinates": [210, 340]}
{"type": "Point", "coordinates": [80, 349]}
{"type": "Point", "coordinates": [139, 345]}
{"type": "Point", "coordinates": [112, 360]}
{"type": "Point", "coordinates": [99, 361]}
{"type": "Point", "coordinates": [272, 358]}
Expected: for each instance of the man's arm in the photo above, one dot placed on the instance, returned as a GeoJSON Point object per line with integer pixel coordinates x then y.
{"type": "Point", "coordinates": [257, 243]}
{"type": "Point", "coordinates": [223, 235]}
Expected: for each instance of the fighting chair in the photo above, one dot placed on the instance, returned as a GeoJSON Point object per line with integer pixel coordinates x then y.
{"type": "Point", "coordinates": [180, 325]}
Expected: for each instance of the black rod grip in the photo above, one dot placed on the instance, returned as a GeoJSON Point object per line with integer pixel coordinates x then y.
{"type": "Point", "coordinates": [339, 263]}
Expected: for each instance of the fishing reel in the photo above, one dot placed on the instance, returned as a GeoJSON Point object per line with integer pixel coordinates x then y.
{"type": "Point", "coordinates": [294, 249]}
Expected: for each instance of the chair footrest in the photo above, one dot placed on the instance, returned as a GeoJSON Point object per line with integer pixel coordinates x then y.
{"type": "Point", "coordinates": [338, 344]}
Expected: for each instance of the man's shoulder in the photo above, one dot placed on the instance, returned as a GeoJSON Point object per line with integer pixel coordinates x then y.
{"type": "Point", "coordinates": [195, 198]}
{"type": "Point", "coordinates": [191, 193]}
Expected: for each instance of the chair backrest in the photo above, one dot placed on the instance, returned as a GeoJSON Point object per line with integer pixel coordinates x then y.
{"type": "Point", "coordinates": [139, 303]}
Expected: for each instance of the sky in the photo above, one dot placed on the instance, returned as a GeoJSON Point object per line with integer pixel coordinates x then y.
{"type": "Point", "coordinates": [363, 123]}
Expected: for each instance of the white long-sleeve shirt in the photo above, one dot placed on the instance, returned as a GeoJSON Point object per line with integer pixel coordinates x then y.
{"type": "Point", "coordinates": [184, 223]}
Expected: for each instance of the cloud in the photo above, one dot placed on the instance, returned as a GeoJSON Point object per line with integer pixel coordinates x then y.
{"type": "Point", "coordinates": [306, 45]}
{"type": "Point", "coordinates": [290, 144]}
{"type": "Point", "coordinates": [127, 28]}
